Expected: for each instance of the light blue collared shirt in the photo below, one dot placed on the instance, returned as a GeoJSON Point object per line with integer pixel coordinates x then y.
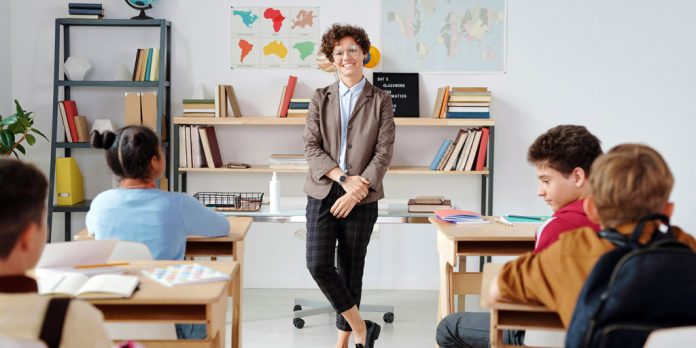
{"type": "Point", "coordinates": [349, 96]}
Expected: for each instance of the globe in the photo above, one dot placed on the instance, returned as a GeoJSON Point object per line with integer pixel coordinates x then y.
{"type": "Point", "coordinates": [141, 5]}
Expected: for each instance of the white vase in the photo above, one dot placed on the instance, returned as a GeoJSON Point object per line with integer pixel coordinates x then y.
{"type": "Point", "coordinates": [77, 68]}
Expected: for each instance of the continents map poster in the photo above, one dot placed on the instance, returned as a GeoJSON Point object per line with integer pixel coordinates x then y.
{"type": "Point", "coordinates": [454, 36]}
{"type": "Point", "coordinates": [275, 37]}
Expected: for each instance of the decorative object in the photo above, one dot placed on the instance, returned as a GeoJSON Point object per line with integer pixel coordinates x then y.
{"type": "Point", "coordinates": [102, 125]}
{"type": "Point", "coordinates": [21, 123]}
{"type": "Point", "coordinates": [123, 74]}
{"type": "Point", "coordinates": [373, 57]}
{"type": "Point", "coordinates": [141, 5]}
{"type": "Point", "coordinates": [77, 68]}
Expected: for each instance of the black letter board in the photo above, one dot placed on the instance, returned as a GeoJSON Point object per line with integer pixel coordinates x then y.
{"type": "Point", "coordinates": [403, 88]}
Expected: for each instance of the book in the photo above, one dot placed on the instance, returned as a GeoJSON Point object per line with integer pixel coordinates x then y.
{"type": "Point", "coordinates": [469, 98]}
{"type": "Point", "coordinates": [195, 106]}
{"type": "Point", "coordinates": [483, 145]}
{"type": "Point", "coordinates": [198, 101]}
{"type": "Point", "coordinates": [232, 99]}
{"type": "Point", "coordinates": [82, 286]}
{"type": "Point", "coordinates": [82, 129]}
{"type": "Point", "coordinates": [135, 66]}
{"type": "Point", "coordinates": [460, 140]}
{"type": "Point", "coordinates": [298, 105]}
{"type": "Point", "coordinates": [475, 104]}
{"type": "Point", "coordinates": [458, 216]}
{"type": "Point", "coordinates": [468, 109]}
{"type": "Point", "coordinates": [473, 149]}
{"type": "Point", "coordinates": [468, 115]}
{"type": "Point", "coordinates": [469, 89]}
{"type": "Point", "coordinates": [210, 147]}
{"type": "Point", "coordinates": [445, 99]}
{"type": "Point", "coordinates": [66, 125]}
{"type": "Point", "coordinates": [446, 157]}
{"type": "Point", "coordinates": [189, 150]}
{"type": "Point", "coordinates": [427, 208]}
{"type": "Point", "coordinates": [440, 153]}
{"type": "Point", "coordinates": [85, 16]}
{"type": "Point", "coordinates": [182, 147]}
{"type": "Point", "coordinates": [210, 111]}
{"type": "Point", "coordinates": [142, 63]}
{"type": "Point", "coordinates": [466, 149]}
{"type": "Point", "coordinates": [84, 5]}
{"type": "Point", "coordinates": [154, 70]}
{"type": "Point", "coordinates": [280, 103]}
{"type": "Point", "coordinates": [148, 65]}
{"type": "Point", "coordinates": [300, 100]}
{"type": "Point", "coordinates": [70, 113]}
{"type": "Point", "coordinates": [185, 274]}
{"type": "Point", "coordinates": [86, 11]}
{"type": "Point", "coordinates": [427, 200]}
{"type": "Point", "coordinates": [439, 99]}
{"type": "Point", "coordinates": [289, 90]}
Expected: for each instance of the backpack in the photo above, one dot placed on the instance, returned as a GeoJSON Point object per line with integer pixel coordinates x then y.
{"type": "Point", "coordinates": [54, 319]}
{"type": "Point", "coordinates": [635, 289]}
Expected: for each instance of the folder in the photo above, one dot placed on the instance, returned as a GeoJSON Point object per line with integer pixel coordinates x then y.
{"type": "Point", "coordinates": [69, 183]}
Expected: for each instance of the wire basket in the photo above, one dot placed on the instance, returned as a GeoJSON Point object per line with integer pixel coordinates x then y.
{"type": "Point", "coordinates": [231, 201]}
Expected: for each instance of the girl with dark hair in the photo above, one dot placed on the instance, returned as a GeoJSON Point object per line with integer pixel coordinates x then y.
{"type": "Point", "coordinates": [139, 211]}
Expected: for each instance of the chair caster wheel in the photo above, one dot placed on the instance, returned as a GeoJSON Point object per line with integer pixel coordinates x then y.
{"type": "Point", "coordinates": [388, 317]}
{"type": "Point", "coordinates": [298, 322]}
{"type": "Point", "coordinates": [297, 308]}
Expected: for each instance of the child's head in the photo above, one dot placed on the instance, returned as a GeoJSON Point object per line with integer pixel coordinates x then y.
{"type": "Point", "coordinates": [22, 214]}
{"type": "Point", "coordinates": [563, 157]}
{"type": "Point", "coordinates": [627, 183]}
{"type": "Point", "coordinates": [133, 152]}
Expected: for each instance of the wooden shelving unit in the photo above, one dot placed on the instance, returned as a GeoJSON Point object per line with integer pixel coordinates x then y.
{"type": "Point", "coordinates": [392, 170]}
{"type": "Point", "coordinates": [276, 121]}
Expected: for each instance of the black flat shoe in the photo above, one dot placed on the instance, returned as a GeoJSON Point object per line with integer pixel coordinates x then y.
{"type": "Point", "coordinates": [373, 330]}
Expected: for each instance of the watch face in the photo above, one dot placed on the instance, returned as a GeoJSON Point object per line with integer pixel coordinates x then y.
{"type": "Point", "coordinates": [342, 178]}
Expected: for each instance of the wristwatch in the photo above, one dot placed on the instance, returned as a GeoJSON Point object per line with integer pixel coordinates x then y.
{"type": "Point", "coordinates": [342, 179]}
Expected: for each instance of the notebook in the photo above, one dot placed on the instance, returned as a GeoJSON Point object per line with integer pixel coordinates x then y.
{"type": "Point", "coordinates": [82, 286]}
{"type": "Point", "coordinates": [523, 219]}
{"type": "Point", "coordinates": [460, 216]}
{"type": "Point", "coordinates": [185, 274]}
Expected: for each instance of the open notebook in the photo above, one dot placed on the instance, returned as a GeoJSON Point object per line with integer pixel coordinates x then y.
{"type": "Point", "coordinates": [82, 286]}
{"type": "Point", "coordinates": [185, 274]}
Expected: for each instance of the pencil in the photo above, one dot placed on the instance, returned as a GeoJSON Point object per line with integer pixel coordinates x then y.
{"type": "Point", "coordinates": [527, 217]}
{"type": "Point", "coordinates": [97, 265]}
{"type": "Point", "coordinates": [501, 221]}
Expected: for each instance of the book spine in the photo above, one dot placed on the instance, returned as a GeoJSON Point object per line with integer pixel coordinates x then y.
{"type": "Point", "coordinates": [294, 105]}
{"type": "Point", "coordinates": [292, 81]}
{"type": "Point", "coordinates": [149, 65]}
{"type": "Point", "coordinates": [86, 11]}
{"type": "Point", "coordinates": [440, 153]}
{"type": "Point", "coordinates": [481, 159]}
{"type": "Point", "coordinates": [84, 5]}
{"type": "Point", "coordinates": [71, 112]}
{"type": "Point", "coordinates": [468, 115]}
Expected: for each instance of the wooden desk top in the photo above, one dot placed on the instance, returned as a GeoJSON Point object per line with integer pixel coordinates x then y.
{"type": "Point", "coordinates": [152, 292]}
{"type": "Point", "coordinates": [490, 271]}
{"type": "Point", "coordinates": [488, 231]}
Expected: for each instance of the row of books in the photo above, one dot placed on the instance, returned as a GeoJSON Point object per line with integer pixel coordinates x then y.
{"type": "Point", "coordinates": [147, 65]}
{"type": "Point", "coordinates": [216, 107]}
{"type": "Point", "coordinates": [286, 97]}
{"type": "Point", "coordinates": [198, 147]}
{"type": "Point", "coordinates": [76, 128]}
{"type": "Point", "coordinates": [85, 10]}
{"type": "Point", "coordinates": [288, 161]}
{"type": "Point", "coordinates": [462, 102]}
{"type": "Point", "coordinates": [466, 152]}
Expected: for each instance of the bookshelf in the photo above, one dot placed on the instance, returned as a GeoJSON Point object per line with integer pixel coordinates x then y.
{"type": "Point", "coordinates": [180, 174]}
{"type": "Point", "coordinates": [62, 47]}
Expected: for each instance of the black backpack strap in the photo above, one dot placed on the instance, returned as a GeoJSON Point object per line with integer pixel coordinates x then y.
{"type": "Point", "coordinates": [659, 234]}
{"type": "Point", "coordinates": [616, 238]}
{"type": "Point", "coordinates": [52, 327]}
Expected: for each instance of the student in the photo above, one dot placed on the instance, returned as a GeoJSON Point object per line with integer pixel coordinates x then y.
{"type": "Point", "coordinates": [562, 157]}
{"type": "Point", "coordinates": [349, 139]}
{"type": "Point", "coordinates": [23, 231]}
{"type": "Point", "coordinates": [138, 210]}
{"type": "Point", "coordinates": [629, 182]}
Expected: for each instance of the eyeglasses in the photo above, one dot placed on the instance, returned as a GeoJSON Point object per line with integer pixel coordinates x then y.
{"type": "Point", "coordinates": [353, 51]}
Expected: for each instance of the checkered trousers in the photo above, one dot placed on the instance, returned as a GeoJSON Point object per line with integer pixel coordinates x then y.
{"type": "Point", "coordinates": [336, 250]}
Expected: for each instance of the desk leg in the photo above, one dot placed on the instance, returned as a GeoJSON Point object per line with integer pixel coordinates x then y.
{"type": "Point", "coordinates": [461, 268]}
{"type": "Point", "coordinates": [496, 334]}
{"type": "Point", "coordinates": [236, 294]}
{"type": "Point", "coordinates": [447, 257]}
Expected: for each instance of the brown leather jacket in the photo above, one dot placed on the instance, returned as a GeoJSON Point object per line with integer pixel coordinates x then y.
{"type": "Point", "coordinates": [370, 139]}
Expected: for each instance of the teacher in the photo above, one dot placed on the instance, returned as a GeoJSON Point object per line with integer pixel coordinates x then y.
{"type": "Point", "coordinates": [348, 138]}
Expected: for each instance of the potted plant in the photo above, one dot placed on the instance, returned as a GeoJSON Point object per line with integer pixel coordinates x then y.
{"type": "Point", "coordinates": [21, 123]}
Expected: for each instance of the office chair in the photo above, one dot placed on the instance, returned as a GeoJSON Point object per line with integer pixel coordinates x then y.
{"type": "Point", "coordinates": [323, 306]}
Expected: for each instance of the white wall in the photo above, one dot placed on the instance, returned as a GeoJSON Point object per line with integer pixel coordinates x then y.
{"type": "Point", "coordinates": [5, 59]}
{"type": "Point", "coordinates": [623, 68]}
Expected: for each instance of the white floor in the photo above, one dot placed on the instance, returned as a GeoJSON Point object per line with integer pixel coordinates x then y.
{"type": "Point", "coordinates": [267, 319]}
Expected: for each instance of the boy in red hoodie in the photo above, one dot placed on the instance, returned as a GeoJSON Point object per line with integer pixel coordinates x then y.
{"type": "Point", "coordinates": [562, 157]}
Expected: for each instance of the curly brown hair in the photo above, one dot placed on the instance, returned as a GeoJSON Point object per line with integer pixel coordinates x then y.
{"type": "Point", "coordinates": [565, 148]}
{"type": "Point", "coordinates": [338, 31]}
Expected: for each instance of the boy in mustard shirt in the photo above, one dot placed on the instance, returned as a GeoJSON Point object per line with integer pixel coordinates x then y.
{"type": "Point", "coordinates": [628, 183]}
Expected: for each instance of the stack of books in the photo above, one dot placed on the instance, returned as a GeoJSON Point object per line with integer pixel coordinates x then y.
{"type": "Point", "coordinates": [299, 107]}
{"type": "Point", "coordinates": [146, 66]}
{"type": "Point", "coordinates": [428, 204]}
{"type": "Point", "coordinates": [288, 161]}
{"type": "Point", "coordinates": [199, 107]}
{"type": "Point", "coordinates": [85, 10]}
{"type": "Point", "coordinates": [466, 152]}
{"type": "Point", "coordinates": [462, 102]}
{"type": "Point", "coordinates": [460, 216]}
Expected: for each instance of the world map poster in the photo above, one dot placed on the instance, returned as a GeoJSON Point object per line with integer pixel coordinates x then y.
{"type": "Point", "coordinates": [275, 37]}
{"type": "Point", "coordinates": [465, 36]}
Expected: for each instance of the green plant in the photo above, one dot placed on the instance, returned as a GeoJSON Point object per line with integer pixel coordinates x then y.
{"type": "Point", "coordinates": [21, 123]}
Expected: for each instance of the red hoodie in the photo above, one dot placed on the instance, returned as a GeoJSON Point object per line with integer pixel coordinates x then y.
{"type": "Point", "coordinates": [568, 218]}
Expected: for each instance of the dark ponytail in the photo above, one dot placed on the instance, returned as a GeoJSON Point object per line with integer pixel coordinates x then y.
{"type": "Point", "coordinates": [129, 150]}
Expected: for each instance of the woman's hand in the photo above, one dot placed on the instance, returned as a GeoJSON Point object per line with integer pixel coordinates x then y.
{"type": "Point", "coordinates": [343, 206]}
{"type": "Point", "coordinates": [356, 186]}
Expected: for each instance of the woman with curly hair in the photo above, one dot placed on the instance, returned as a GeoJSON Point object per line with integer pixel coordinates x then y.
{"type": "Point", "coordinates": [349, 138]}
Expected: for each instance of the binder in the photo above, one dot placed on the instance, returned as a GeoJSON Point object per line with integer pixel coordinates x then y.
{"type": "Point", "coordinates": [69, 183]}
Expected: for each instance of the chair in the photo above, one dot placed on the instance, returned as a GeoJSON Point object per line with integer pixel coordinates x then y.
{"type": "Point", "coordinates": [323, 306]}
{"type": "Point", "coordinates": [672, 337]}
